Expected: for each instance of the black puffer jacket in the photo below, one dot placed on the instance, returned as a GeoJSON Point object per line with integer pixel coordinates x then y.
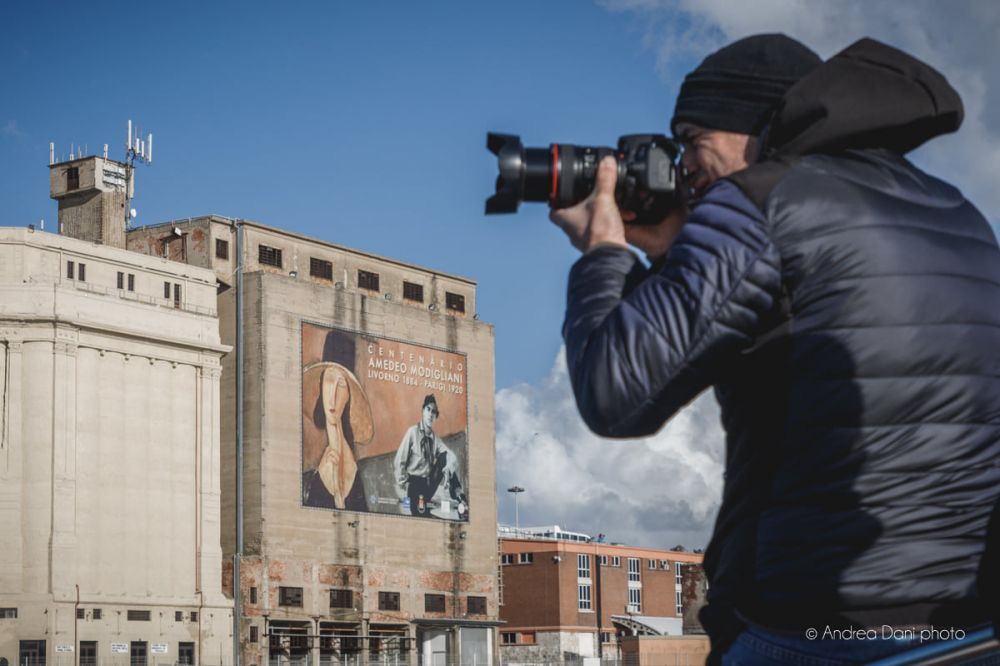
{"type": "Point", "coordinates": [846, 307]}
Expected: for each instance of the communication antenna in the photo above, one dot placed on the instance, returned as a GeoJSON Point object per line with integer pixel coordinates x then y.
{"type": "Point", "coordinates": [139, 150]}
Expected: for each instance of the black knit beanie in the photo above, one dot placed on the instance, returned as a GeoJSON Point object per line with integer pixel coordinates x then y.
{"type": "Point", "coordinates": [737, 87]}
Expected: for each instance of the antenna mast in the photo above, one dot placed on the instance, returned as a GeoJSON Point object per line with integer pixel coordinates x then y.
{"type": "Point", "coordinates": [139, 150]}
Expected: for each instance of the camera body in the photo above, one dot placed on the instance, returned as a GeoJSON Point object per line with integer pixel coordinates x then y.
{"type": "Point", "coordinates": [564, 174]}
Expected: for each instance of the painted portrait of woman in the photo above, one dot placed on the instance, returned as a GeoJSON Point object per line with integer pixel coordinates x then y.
{"type": "Point", "coordinates": [336, 421]}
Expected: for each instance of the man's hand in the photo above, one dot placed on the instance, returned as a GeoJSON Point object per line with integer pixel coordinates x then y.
{"type": "Point", "coordinates": [595, 220]}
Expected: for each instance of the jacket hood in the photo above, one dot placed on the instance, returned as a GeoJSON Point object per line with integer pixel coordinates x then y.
{"type": "Point", "coordinates": [869, 95]}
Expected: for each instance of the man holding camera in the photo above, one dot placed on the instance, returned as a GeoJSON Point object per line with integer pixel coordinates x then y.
{"type": "Point", "coordinates": [845, 306]}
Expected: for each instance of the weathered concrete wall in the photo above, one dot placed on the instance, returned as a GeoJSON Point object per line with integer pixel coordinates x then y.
{"type": "Point", "coordinates": [109, 453]}
{"type": "Point", "coordinates": [552, 647]}
{"type": "Point", "coordinates": [94, 211]}
{"type": "Point", "coordinates": [285, 543]}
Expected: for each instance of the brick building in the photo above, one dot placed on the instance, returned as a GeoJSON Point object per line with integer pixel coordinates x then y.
{"type": "Point", "coordinates": [344, 566]}
{"type": "Point", "coordinates": [561, 594]}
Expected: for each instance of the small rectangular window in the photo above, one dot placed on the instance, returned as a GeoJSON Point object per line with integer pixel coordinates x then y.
{"type": "Point", "coordinates": [131, 281]}
{"type": "Point", "coordinates": [584, 597]}
{"type": "Point", "coordinates": [290, 596]}
{"type": "Point", "coordinates": [367, 280]}
{"type": "Point", "coordinates": [8, 613]}
{"type": "Point", "coordinates": [582, 566]}
{"type": "Point", "coordinates": [388, 601]}
{"type": "Point", "coordinates": [73, 178]}
{"type": "Point", "coordinates": [507, 558]}
{"type": "Point", "coordinates": [137, 653]}
{"type": "Point", "coordinates": [433, 603]}
{"type": "Point", "coordinates": [70, 270]}
{"type": "Point", "coordinates": [138, 616]}
{"type": "Point", "coordinates": [178, 616]}
{"type": "Point", "coordinates": [269, 256]}
{"type": "Point", "coordinates": [605, 636]}
{"type": "Point", "coordinates": [633, 569]}
{"type": "Point", "coordinates": [528, 637]}
{"type": "Point", "coordinates": [665, 565]}
{"type": "Point", "coordinates": [81, 272]}
{"type": "Point", "coordinates": [194, 616]}
{"type": "Point", "coordinates": [253, 595]}
{"type": "Point", "coordinates": [413, 292]}
{"type": "Point", "coordinates": [95, 614]}
{"type": "Point", "coordinates": [634, 599]}
{"type": "Point", "coordinates": [253, 634]}
{"type": "Point", "coordinates": [81, 613]}
{"type": "Point", "coordinates": [177, 295]}
{"type": "Point", "coordinates": [341, 599]}
{"type": "Point", "coordinates": [526, 558]}
{"type": "Point", "coordinates": [185, 654]}
{"type": "Point", "coordinates": [88, 653]}
{"type": "Point", "coordinates": [508, 638]}
{"type": "Point", "coordinates": [121, 280]}
{"type": "Point", "coordinates": [320, 268]}
{"type": "Point", "coordinates": [221, 249]}
{"type": "Point", "coordinates": [476, 605]}
{"type": "Point", "coordinates": [652, 564]}
{"type": "Point", "coordinates": [678, 573]}
{"type": "Point", "coordinates": [680, 603]}
{"type": "Point", "coordinates": [454, 302]}
{"type": "Point", "coordinates": [616, 560]}
{"type": "Point", "coordinates": [166, 290]}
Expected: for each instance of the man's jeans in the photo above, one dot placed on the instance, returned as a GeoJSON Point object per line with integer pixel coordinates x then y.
{"type": "Point", "coordinates": [760, 647]}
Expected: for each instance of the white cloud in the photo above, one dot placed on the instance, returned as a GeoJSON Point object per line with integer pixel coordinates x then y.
{"type": "Point", "coordinates": [11, 129]}
{"type": "Point", "coordinates": [956, 38]}
{"type": "Point", "coordinates": [659, 492]}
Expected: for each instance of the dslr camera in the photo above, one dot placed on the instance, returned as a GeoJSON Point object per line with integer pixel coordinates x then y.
{"type": "Point", "coordinates": [564, 174]}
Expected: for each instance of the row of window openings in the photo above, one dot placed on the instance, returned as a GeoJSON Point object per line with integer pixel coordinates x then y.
{"type": "Point", "coordinates": [138, 652]}
{"type": "Point", "coordinates": [583, 564]}
{"type": "Point", "coordinates": [78, 271]}
{"type": "Point", "coordinates": [519, 558]}
{"type": "Point", "coordinates": [634, 599]}
{"type": "Point", "coordinates": [387, 642]}
{"type": "Point", "coordinates": [433, 603]}
{"type": "Point", "coordinates": [320, 268]}
{"type": "Point", "coordinates": [132, 615]}
{"type": "Point", "coordinates": [517, 638]}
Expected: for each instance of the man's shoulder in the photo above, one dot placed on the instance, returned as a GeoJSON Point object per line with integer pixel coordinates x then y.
{"type": "Point", "coordinates": [724, 208]}
{"type": "Point", "coordinates": [757, 181]}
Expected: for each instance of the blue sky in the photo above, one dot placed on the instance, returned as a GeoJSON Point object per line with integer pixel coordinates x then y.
{"type": "Point", "coordinates": [364, 124]}
{"type": "Point", "coordinates": [359, 123]}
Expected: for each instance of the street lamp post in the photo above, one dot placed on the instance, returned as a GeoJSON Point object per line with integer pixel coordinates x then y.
{"type": "Point", "coordinates": [516, 490]}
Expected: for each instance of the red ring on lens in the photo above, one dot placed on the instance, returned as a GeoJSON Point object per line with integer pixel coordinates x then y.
{"type": "Point", "coordinates": [555, 170]}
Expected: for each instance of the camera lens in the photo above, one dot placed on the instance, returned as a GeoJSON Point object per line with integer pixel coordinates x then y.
{"type": "Point", "coordinates": [562, 174]}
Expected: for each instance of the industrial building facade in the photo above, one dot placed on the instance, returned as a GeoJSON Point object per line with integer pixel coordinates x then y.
{"type": "Point", "coordinates": [561, 596]}
{"type": "Point", "coordinates": [109, 457]}
{"type": "Point", "coordinates": [368, 533]}
{"type": "Point", "coordinates": [363, 389]}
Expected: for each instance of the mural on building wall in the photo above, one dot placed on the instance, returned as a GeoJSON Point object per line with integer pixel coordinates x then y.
{"type": "Point", "coordinates": [384, 425]}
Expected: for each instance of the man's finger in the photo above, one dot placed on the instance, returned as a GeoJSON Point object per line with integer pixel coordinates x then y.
{"type": "Point", "coordinates": [607, 176]}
